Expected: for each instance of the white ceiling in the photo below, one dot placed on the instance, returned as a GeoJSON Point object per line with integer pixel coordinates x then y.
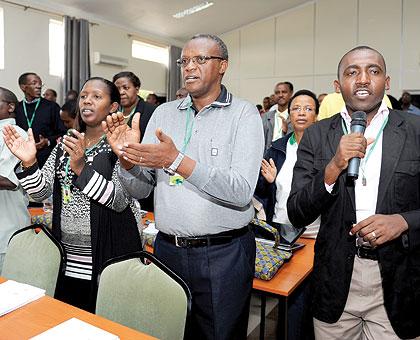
{"type": "Point", "coordinates": [154, 17]}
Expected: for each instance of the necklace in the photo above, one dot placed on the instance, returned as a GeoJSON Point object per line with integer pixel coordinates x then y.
{"type": "Point", "coordinates": [91, 142]}
{"type": "Point", "coordinates": [121, 109]}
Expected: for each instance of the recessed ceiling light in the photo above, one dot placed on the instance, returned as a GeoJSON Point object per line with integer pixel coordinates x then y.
{"type": "Point", "coordinates": [193, 10]}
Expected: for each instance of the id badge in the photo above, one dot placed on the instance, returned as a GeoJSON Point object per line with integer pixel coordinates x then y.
{"type": "Point", "coordinates": [66, 193]}
{"type": "Point", "coordinates": [176, 180]}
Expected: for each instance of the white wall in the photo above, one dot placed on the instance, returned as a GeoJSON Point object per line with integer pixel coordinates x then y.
{"type": "Point", "coordinates": [26, 49]}
{"type": "Point", "coordinates": [304, 45]}
{"type": "Point", "coordinates": [115, 42]}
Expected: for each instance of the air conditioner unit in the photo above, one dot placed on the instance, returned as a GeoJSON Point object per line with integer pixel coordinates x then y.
{"type": "Point", "coordinates": [100, 58]}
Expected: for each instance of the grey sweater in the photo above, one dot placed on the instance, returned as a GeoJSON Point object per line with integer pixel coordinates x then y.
{"type": "Point", "coordinates": [227, 144]}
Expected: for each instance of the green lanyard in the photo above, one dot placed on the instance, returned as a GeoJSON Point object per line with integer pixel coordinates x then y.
{"type": "Point", "coordinates": [66, 185]}
{"type": "Point", "coordinates": [188, 129]}
{"type": "Point", "coordinates": [292, 139]}
{"type": "Point", "coordinates": [365, 159]}
{"type": "Point", "coordinates": [33, 115]}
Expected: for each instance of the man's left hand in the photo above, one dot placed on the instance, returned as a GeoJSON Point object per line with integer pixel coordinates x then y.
{"type": "Point", "coordinates": [155, 156]}
{"type": "Point", "coordinates": [379, 229]}
{"type": "Point", "coordinates": [43, 142]}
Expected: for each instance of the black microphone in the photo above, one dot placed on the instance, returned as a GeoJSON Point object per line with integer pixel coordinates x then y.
{"type": "Point", "coordinates": [358, 124]}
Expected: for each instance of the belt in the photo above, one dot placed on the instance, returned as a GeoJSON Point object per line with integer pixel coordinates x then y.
{"type": "Point", "coordinates": [206, 240]}
{"type": "Point", "coordinates": [367, 253]}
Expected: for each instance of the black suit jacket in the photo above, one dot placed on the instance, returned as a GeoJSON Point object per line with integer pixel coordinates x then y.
{"type": "Point", "coordinates": [47, 123]}
{"type": "Point", "coordinates": [398, 192]}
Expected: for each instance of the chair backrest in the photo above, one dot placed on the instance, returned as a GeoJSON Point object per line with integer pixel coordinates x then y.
{"type": "Point", "coordinates": [35, 257]}
{"type": "Point", "coordinates": [147, 297]}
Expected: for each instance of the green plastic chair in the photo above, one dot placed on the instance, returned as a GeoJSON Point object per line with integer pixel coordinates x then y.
{"type": "Point", "coordinates": [147, 297]}
{"type": "Point", "coordinates": [35, 257]}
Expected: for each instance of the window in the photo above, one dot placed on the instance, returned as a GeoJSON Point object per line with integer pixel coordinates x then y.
{"type": "Point", "coordinates": [1, 39]}
{"type": "Point", "coordinates": [142, 50]}
{"type": "Point", "coordinates": [56, 47]}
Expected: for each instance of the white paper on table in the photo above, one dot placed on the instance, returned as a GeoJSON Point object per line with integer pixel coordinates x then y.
{"type": "Point", "coordinates": [75, 329]}
{"type": "Point", "coordinates": [15, 294]}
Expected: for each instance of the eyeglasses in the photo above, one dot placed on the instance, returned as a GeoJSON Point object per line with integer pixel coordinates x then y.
{"type": "Point", "coordinates": [298, 109]}
{"type": "Point", "coordinates": [198, 59]}
{"type": "Point", "coordinates": [42, 86]}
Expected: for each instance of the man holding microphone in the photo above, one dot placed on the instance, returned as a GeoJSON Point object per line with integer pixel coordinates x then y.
{"type": "Point", "coordinates": [367, 254]}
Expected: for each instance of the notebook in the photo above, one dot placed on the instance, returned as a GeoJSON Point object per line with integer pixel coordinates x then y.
{"type": "Point", "coordinates": [15, 294]}
{"type": "Point", "coordinates": [75, 329]}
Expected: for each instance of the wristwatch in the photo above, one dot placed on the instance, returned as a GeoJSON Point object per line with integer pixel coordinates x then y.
{"type": "Point", "coordinates": [171, 170]}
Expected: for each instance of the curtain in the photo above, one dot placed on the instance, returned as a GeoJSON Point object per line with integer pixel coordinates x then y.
{"type": "Point", "coordinates": [174, 73]}
{"type": "Point", "coordinates": [76, 53]}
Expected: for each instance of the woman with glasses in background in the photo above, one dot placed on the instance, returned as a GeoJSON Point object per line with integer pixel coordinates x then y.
{"type": "Point", "coordinates": [273, 187]}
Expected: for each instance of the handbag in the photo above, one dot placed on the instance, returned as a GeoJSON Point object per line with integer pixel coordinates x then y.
{"type": "Point", "coordinates": [269, 258]}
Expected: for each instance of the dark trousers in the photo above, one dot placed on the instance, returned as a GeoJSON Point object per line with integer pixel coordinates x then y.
{"type": "Point", "coordinates": [220, 278]}
{"type": "Point", "coordinates": [76, 292]}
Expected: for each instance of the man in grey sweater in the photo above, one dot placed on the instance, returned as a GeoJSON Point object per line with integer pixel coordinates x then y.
{"type": "Point", "coordinates": [202, 153]}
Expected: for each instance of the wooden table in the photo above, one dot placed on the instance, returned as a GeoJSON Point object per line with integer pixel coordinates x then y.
{"type": "Point", "coordinates": [284, 283]}
{"type": "Point", "coordinates": [47, 312]}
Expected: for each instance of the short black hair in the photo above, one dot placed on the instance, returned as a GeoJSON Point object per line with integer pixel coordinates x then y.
{"type": "Point", "coordinates": [222, 46]}
{"type": "Point", "coordinates": [127, 74]}
{"type": "Point", "coordinates": [69, 92]}
{"type": "Point", "coordinates": [8, 96]}
{"type": "Point", "coordinates": [80, 125]}
{"type": "Point", "coordinates": [70, 107]}
{"type": "Point", "coordinates": [23, 77]}
{"type": "Point", "coordinates": [359, 48]}
{"type": "Point", "coordinates": [305, 93]}
{"type": "Point", "coordinates": [53, 91]}
{"type": "Point", "coordinates": [288, 83]}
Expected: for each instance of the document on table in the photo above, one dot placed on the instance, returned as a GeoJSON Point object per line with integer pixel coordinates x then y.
{"type": "Point", "coordinates": [75, 329]}
{"type": "Point", "coordinates": [14, 295]}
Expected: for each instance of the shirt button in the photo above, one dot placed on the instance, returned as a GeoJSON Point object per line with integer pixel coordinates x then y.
{"type": "Point", "coordinates": [196, 131]}
{"type": "Point", "coordinates": [198, 117]}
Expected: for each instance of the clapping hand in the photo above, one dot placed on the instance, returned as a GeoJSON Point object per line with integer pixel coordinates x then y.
{"type": "Point", "coordinates": [75, 146]}
{"type": "Point", "coordinates": [118, 133]}
{"type": "Point", "coordinates": [23, 149]}
{"type": "Point", "coordinates": [269, 170]}
{"type": "Point", "coordinates": [155, 156]}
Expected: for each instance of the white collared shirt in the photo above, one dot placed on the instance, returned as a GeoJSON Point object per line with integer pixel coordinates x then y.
{"type": "Point", "coordinates": [366, 195]}
{"type": "Point", "coordinates": [283, 185]}
{"type": "Point", "coordinates": [278, 124]}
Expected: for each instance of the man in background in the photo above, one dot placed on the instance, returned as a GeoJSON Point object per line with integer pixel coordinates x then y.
{"type": "Point", "coordinates": [40, 114]}
{"type": "Point", "coordinates": [406, 104]}
{"type": "Point", "coordinates": [152, 99]}
{"type": "Point", "coordinates": [276, 123]}
{"type": "Point", "coordinates": [181, 93]}
{"type": "Point", "coordinates": [50, 95]}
